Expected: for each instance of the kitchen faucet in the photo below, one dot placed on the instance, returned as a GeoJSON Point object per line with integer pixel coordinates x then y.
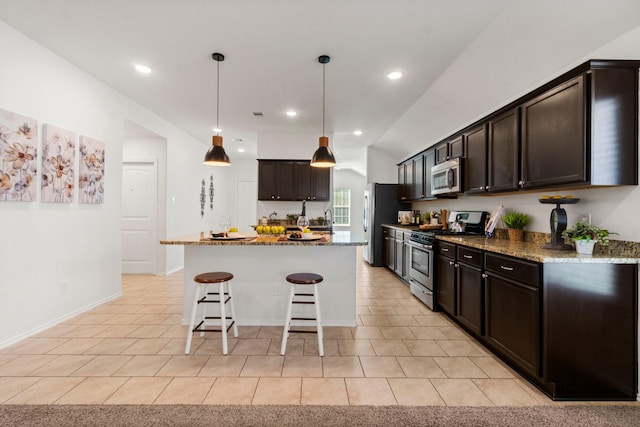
{"type": "Point", "coordinates": [273, 214]}
{"type": "Point", "coordinates": [329, 222]}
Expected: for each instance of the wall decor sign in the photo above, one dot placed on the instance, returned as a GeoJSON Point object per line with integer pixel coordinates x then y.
{"type": "Point", "coordinates": [58, 164]}
{"type": "Point", "coordinates": [203, 199]}
{"type": "Point", "coordinates": [91, 171]}
{"type": "Point", "coordinates": [18, 157]}
{"type": "Point", "coordinates": [211, 192]}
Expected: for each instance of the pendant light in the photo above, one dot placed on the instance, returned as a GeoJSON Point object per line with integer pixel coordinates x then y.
{"type": "Point", "coordinates": [323, 157]}
{"type": "Point", "coordinates": [216, 155]}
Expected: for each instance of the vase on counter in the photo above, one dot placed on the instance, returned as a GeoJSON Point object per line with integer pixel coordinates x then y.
{"type": "Point", "coordinates": [516, 234]}
{"type": "Point", "coordinates": [585, 247]}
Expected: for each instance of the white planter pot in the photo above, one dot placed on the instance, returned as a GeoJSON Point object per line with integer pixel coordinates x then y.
{"type": "Point", "coordinates": [585, 247]}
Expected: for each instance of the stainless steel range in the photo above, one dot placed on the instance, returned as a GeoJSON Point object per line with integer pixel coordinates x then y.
{"type": "Point", "coordinates": [421, 273]}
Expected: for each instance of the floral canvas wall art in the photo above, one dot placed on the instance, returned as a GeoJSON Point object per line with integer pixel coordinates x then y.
{"type": "Point", "coordinates": [91, 171]}
{"type": "Point", "coordinates": [58, 164]}
{"type": "Point", "coordinates": [18, 157]}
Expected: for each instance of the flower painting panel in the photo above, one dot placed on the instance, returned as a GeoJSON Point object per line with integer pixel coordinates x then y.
{"type": "Point", "coordinates": [58, 161]}
{"type": "Point", "coordinates": [91, 171]}
{"type": "Point", "coordinates": [18, 157]}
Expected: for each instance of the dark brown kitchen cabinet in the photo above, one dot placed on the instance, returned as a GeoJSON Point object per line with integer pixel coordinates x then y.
{"type": "Point", "coordinates": [450, 149]}
{"type": "Point", "coordinates": [554, 144]}
{"type": "Point", "coordinates": [405, 174]}
{"type": "Point", "coordinates": [590, 331]}
{"type": "Point", "coordinates": [275, 180]}
{"type": "Point", "coordinates": [418, 169]}
{"type": "Point", "coordinates": [446, 278]}
{"type": "Point", "coordinates": [398, 264]}
{"type": "Point", "coordinates": [286, 180]}
{"type": "Point", "coordinates": [503, 144]}
{"type": "Point", "coordinates": [470, 289]}
{"type": "Point", "coordinates": [513, 320]}
{"type": "Point", "coordinates": [311, 183]}
{"type": "Point", "coordinates": [475, 160]}
{"type": "Point", "coordinates": [389, 243]}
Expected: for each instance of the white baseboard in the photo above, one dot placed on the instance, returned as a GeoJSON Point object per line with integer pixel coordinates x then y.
{"type": "Point", "coordinates": [54, 322]}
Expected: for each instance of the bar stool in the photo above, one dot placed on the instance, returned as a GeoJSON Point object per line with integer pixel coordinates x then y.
{"type": "Point", "coordinates": [202, 296]}
{"type": "Point", "coordinates": [304, 279]}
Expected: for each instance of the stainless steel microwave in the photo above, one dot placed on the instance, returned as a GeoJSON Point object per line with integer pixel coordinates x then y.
{"type": "Point", "coordinates": [445, 177]}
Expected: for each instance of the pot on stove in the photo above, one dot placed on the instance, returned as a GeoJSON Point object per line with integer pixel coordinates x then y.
{"type": "Point", "coordinates": [458, 226]}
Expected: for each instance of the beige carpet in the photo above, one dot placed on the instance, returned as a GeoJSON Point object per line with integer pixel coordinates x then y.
{"type": "Point", "coordinates": [188, 415]}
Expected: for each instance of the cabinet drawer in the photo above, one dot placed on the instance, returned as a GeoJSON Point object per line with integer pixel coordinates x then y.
{"type": "Point", "coordinates": [447, 249]}
{"type": "Point", "coordinates": [389, 232]}
{"type": "Point", "coordinates": [514, 269]}
{"type": "Point", "coordinates": [470, 256]}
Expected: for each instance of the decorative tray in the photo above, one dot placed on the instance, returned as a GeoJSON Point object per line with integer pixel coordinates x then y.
{"type": "Point", "coordinates": [559, 200]}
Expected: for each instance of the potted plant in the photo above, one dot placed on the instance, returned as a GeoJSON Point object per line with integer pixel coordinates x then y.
{"type": "Point", "coordinates": [586, 235]}
{"type": "Point", "coordinates": [515, 222]}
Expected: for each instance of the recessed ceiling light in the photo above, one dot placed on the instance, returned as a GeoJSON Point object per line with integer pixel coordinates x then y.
{"type": "Point", "coordinates": [291, 113]}
{"type": "Point", "coordinates": [217, 130]}
{"type": "Point", "coordinates": [394, 75]}
{"type": "Point", "coordinates": [143, 69]}
{"type": "Point", "coordinates": [240, 150]}
{"type": "Point", "coordinates": [357, 132]}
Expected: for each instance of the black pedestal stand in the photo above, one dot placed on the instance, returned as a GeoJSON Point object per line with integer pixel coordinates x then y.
{"type": "Point", "coordinates": [558, 222]}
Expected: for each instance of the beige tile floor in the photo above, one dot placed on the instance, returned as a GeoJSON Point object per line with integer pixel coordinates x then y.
{"type": "Point", "coordinates": [131, 350]}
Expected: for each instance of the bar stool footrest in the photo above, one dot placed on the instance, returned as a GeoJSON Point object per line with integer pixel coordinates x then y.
{"type": "Point", "coordinates": [205, 329]}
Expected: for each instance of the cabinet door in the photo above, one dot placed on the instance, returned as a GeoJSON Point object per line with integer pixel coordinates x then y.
{"type": "Point", "coordinates": [503, 143]}
{"type": "Point", "coordinates": [456, 148]}
{"type": "Point", "coordinates": [475, 162]}
{"type": "Point", "coordinates": [390, 252]}
{"type": "Point", "coordinates": [284, 180]}
{"type": "Point", "coordinates": [403, 194]}
{"type": "Point", "coordinates": [302, 181]}
{"type": "Point", "coordinates": [320, 184]}
{"type": "Point", "coordinates": [512, 323]}
{"type": "Point", "coordinates": [418, 177]}
{"type": "Point", "coordinates": [446, 284]}
{"type": "Point", "coordinates": [406, 258]}
{"type": "Point", "coordinates": [470, 297]}
{"type": "Point", "coordinates": [266, 180]}
{"type": "Point", "coordinates": [553, 136]}
{"type": "Point", "coordinates": [399, 260]}
{"type": "Point", "coordinates": [442, 152]}
{"type": "Point", "coordinates": [429, 162]}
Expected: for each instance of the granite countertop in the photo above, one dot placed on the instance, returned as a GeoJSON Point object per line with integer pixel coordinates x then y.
{"type": "Point", "coordinates": [534, 252]}
{"type": "Point", "coordinates": [339, 238]}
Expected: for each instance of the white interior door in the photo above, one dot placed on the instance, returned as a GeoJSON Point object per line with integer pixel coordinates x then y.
{"type": "Point", "coordinates": [139, 217]}
{"type": "Point", "coordinates": [247, 204]}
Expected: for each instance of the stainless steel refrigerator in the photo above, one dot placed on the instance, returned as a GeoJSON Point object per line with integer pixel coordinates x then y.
{"type": "Point", "coordinates": [381, 206]}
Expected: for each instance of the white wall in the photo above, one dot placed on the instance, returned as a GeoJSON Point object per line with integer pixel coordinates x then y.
{"type": "Point", "coordinates": [58, 260]}
{"type": "Point", "coordinates": [381, 167]}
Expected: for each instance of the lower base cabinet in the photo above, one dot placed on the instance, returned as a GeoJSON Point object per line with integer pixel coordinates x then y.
{"type": "Point", "coordinates": [570, 328]}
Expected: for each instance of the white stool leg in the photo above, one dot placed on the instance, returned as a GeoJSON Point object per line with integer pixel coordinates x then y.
{"type": "Point", "coordinates": [192, 322]}
{"type": "Point", "coordinates": [316, 300]}
{"type": "Point", "coordinates": [233, 311]}
{"type": "Point", "coordinates": [285, 331]}
{"type": "Point", "coordinates": [223, 319]}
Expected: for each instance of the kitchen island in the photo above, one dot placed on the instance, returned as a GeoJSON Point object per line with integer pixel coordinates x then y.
{"type": "Point", "coordinates": [259, 266]}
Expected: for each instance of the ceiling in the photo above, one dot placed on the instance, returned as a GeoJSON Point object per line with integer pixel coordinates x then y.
{"type": "Point", "coordinates": [271, 49]}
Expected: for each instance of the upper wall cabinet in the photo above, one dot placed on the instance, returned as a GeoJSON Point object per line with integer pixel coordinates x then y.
{"type": "Point", "coordinates": [583, 131]}
{"type": "Point", "coordinates": [579, 129]}
{"type": "Point", "coordinates": [287, 180]}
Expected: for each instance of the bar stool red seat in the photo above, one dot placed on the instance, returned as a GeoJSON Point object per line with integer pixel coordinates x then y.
{"type": "Point", "coordinates": [221, 297]}
{"type": "Point", "coordinates": [298, 295]}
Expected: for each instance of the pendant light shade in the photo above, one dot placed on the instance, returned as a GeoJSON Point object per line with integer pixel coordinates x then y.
{"type": "Point", "coordinates": [323, 157]}
{"type": "Point", "coordinates": [216, 156]}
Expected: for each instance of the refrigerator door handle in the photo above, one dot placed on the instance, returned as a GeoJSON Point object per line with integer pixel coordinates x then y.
{"type": "Point", "coordinates": [366, 208]}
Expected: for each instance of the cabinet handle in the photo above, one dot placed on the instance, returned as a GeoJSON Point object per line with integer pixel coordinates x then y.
{"type": "Point", "coordinates": [427, 292]}
{"type": "Point", "coordinates": [482, 187]}
{"type": "Point", "coordinates": [273, 197]}
{"type": "Point", "coordinates": [484, 275]}
{"type": "Point", "coordinates": [456, 265]}
{"type": "Point", "coordinates": [521, 183]}
{"type": "Point", "coordinates": [487, 188]}
{"type": "Point", "coordinates": [444, 250]}
{"type": "Point", "coordinates": [468, 256]}
{"type": "Point", "coordinates": [452, 263]}
{"type": "Point", "coordinates": [506, 268]}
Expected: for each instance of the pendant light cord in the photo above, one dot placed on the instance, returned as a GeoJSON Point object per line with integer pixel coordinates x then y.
{"type": "Point", "coordinates": [323, 92]}
{"type": "Point", "coordinates": [218, 101]}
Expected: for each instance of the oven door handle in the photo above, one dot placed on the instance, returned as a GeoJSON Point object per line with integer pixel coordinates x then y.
{"type": "Point", "coordinates": [420, 246]}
